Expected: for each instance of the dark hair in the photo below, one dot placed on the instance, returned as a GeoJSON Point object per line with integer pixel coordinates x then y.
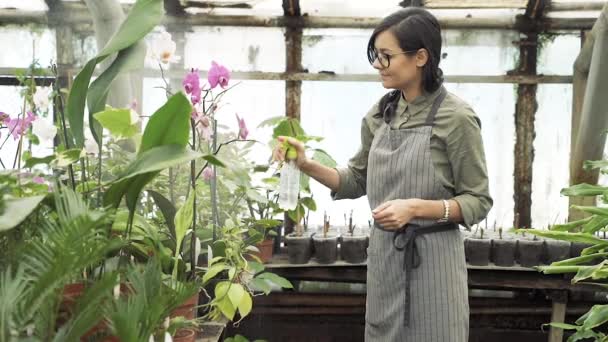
{"type": "Point", "coordinates": [415, 28]}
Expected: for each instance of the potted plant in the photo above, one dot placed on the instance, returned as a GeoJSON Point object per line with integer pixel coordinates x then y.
{"type": "Point", "coordinates": [326, 245]}
{"type": "Point", "coordinates": [299, 243]}
{"type": "Point", "coordinates": [529, 250]}
{"type": "Point", "coordinates": [353, 247]}
{"type": "Point", "coordinates": [503, 250]}
{"type": "Point", "coordinates": [477, 249]}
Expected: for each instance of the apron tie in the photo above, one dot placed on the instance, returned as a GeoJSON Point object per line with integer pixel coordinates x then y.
{"type": "Point", "coordinates": [410, 252]}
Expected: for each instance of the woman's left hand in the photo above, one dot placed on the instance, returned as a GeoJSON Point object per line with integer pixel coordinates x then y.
{"type": "Point", "coordinates": [396, 213]}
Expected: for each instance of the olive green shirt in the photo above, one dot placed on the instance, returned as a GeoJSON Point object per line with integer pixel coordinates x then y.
{"type": "Point", "coordinates": [456, 151]}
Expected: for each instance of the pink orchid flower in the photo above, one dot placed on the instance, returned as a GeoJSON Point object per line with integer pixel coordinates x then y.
{"type": "Point", "coordinates": [18, 127]}
{"type": "Point", "coordinates": [218, 74]}
{"type": "Point", "coordinates": [243, 131]}
{"type": "Point", "coordinates": [208, 174]}
{"type": "Point", "coordinates": [192, 86]}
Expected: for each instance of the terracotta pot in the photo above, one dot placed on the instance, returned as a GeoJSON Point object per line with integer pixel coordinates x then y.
{"type": "Point", "coordinates": [266, 249]}
{"type": "Point", "coordinates": [326, 248]}
{"type": "Point", "coordinates": [477, 251]}
{"type": "Point", "coordinates": [187, 309]}
{"type": "Point", "coordinates": [184, 335]}
{"type": "Point", "coordinates": [503, 252]}
{"type": "Point", "coordinates": [353, 249]}
{"type": "Point", "coordinates": [299, 248]}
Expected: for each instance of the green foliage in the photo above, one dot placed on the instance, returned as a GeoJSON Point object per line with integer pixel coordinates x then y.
{"type": "Point", "coordinates": [119, 122]}
{"type": "Point", "coordinates": [584, 231]}
{"type": "Point", "coordinates": [142, 18]}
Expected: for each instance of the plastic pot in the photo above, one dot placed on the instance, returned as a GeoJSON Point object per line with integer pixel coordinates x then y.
{"type": "Point", "coordinates": [353, 249]}
{"type": "Point", "coordinates": [503, 252]}
{"type": "Point", "coordinates": [326, 248]}
{"type": "Point", "coordinates": [477, 251]}
{"type": "Point", "coordinates": [184, 335]}
{"type": "Point", "coordinates": [556, 250]}
{"type": "Point", "coordinates": [266, 250]}
{"type": "Point", "coordinates": [529, 252]}
{"type": "Point", "coordinates": [299, 248]}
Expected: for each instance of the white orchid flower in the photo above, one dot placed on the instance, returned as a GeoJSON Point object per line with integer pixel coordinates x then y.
{"type": "Point", "coordinates": [41, 98]}
{"type": "Point", "coordinates": [163, 48]}
{"type": "Point", "coordinates": [44, 130]}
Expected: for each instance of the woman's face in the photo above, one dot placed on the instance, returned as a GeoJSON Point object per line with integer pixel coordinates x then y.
{"type": "Point", "coordinates": [404, 70]}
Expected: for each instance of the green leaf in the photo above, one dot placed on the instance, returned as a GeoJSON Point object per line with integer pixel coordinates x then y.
{"type": "Point", "coordinates": [175, 114]}
{"type": "Point", "coordinates": [168, 125]}
{"type": "Point", "coordinates": [574, 225]}
{"type": "Point", "coordinates": [261, 168]}
{"type": "Point", "coordinates": [598, 315]}
{"type": "Point", "coordinates": [142, 18]}
{"type": "Point", "coordinates": [271, 121]}
{"type": "Point", "coordinates": [309, 203]}
{"type": "Point", "coordinates": [213, 271]}
{"type": "Point", "coordinates": [214, 160]}
{"type": "Point", "coordinates": [592, 210]}
{"type": "Point", "coordinates": [236, 293]}
{"type": "Point", "coordinates": [167, 209]}
{"type": "Point", "coordinates": [261, 285]}
{"type": "Point", "coordinates": [183, 218]}
{"type": "Point", "coordinates": [160, 158]}
{"type": "Point", "coordinates": [67, 157]}
{"type": "Point", "coordinates": [245, 305]}
{"type": "Point", "coordinates": [30, 162]}
{"type": "Point", "coordinates": [596, 224]}
{"type": "Point", "coordinates": [17, 210]}
{"type": "Point", "coordinates": [118, 121]}
{"type": "Point", "coordinates": [587, 272]}
{"type": "Point", "coordinates": [143, 169]}
{"type": "Point", "coordinates": [584, 189]}
{"type": "Point", "coordinates": [558, 235]}
{"type": "Point", "coordinates": [288, 127]}
{"type": "Point", "coordinates": [128, 59]}
{"type": "Point", "coordinates": [580, 260]}
{"type": "Point", "coordinates": [255, 267]}
{"type": "Point", "coordinates": [564, 326]}
{"type": "Point", "coordinates": [324, 158]}
{"type": "Point", "coordinates": [594, 164]}
{"type": "Point", "coordinates": [278, 280]}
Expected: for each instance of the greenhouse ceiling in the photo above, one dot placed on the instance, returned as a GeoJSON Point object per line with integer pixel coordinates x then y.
{"type": "Point", "coordinates": [554, 14]}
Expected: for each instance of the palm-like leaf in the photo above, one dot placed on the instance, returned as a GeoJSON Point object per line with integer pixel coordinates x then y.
{"type": "Point", "coordinates": [138, 315]}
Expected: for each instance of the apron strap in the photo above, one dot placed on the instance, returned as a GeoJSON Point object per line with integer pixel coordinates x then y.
{"type": "Point", "coordinates": [410, 252]}
{"type": "Point", "coordinates": [430, 119]}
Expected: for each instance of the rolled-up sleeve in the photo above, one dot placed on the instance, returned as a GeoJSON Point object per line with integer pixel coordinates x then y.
{"type": "Point", "coordinates": [468, 163]}
{"type": "Point", "coordinates": [353, 178]}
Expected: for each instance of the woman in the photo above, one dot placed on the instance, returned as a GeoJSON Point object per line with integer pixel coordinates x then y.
{"type": "Point", "coordinates": [422, 166]}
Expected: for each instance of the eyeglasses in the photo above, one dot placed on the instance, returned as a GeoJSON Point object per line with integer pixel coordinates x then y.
{"type": "Point", "coordinates": [384, 58]}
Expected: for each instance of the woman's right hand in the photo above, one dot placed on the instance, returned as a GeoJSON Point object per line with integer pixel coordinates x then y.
{"type": "Point", "coordinates": [279, 153]}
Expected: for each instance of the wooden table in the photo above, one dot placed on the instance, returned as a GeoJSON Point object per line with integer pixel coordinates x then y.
{"type": "Point", "coordinates": [479, 277]}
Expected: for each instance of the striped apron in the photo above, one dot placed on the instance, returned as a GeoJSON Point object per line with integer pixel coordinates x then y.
{"type": "Point", "coordinates": [416, 277]}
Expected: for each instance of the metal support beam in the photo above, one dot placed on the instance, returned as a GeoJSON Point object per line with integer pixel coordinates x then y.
{"type": "Point", "coordinates": [293, 59]}
{"type": "Point", "coordinates": [76, 14]}
{"type": "Point", "coordinates": [6, 77]}
{"type": "Point", "coordinates": [525, 110]}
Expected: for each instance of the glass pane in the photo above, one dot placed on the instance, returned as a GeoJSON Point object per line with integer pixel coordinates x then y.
{"type": "Point", "coordinates": [495, 105]}
{"type": "Point", "coordinates": [478, 52]}
{"type": "Point", "coordinates": [551, 168]}
{"type": "Point", "coordinates": [342, 51]}
{"type": "Point", "coordinates": [33, 45]}
{"type": "Point", "coordinates": [239, 49]}
{"type": "Point", "coordinates": [328, 110]}
{"type": "Point", "coordinates": [558, 53]}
